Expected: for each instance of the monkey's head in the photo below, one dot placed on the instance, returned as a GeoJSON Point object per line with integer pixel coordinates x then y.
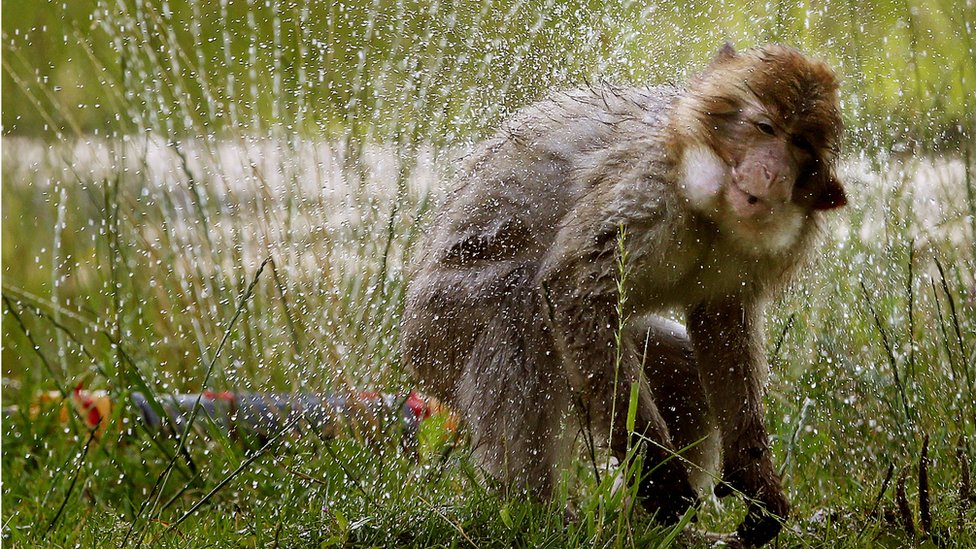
{"type": "Point", "coordinates": [757, 135]}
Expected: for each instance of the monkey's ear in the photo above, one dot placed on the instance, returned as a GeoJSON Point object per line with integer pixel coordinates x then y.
{"type": "Point", "coordinates": [831, 196]}
{"type": "Point", "coordinates": [725, 53]}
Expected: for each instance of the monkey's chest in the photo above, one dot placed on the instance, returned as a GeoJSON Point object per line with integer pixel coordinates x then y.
{"type": "Point", "coordinates": [692, 274]}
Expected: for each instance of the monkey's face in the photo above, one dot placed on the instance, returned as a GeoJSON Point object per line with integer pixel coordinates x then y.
{"type": "Point", "coordinates": [763, 132]}
{"type": "Point", "coordinates": [764, 167]}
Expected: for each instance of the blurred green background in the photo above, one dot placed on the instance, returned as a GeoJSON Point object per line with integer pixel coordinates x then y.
{"type": "Point", "coordinates": [439, 71]}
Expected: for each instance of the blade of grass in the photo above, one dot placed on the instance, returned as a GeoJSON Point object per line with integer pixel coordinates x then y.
{"type": "Point", "coordinates": [910, 289]}
{"type": "Point", "coordinates": [618, 335]}
{"type": "Point", "coordinates": [944, 332]}
{"type": "Point", "coordinates": [70, 335]}
{"type": "Point", "coordinates": [884, 488]}
{"type": "Point", "coordinates": [873, 513]}
{"type": "Point", "coordinates": [447, 519]}
{"type": "Point", "coordinates": [55, 377]}
{"type": "Point", "coordinates": [140, 383]}
{"type": "Point", "coordinates": [965, 482]}
{"type": "Point", "coordinates": [159, 486]}
{"type": "Point", "coordinates": [71, 486]}
{"type": "Point", "coordinates": [195, 410]}
{"type": "Point", "coordinates": [924, 507]}
{"type": "Point", "coordinates": [889, 354]}
{"type": "Point", "coordinates": [791, 447]}
{"type": "Point", "coordinates": [678, 528]}
{"type": "Point", "coordinates": [293, 331]}
{"type": "Point", "coordinates": [632, 407]}
{"type": "Point", "coordinates": [962, 347]}
{"type": "Point", "coordinates": [774, 356]}
{"type": "Point", "coordinates": [233, 474]}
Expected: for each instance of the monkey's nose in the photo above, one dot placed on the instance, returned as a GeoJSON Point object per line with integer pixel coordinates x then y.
{"type": "Point", "coordinates": [752, 199]}
{"type": "Point", "coordinates": [776, 189]}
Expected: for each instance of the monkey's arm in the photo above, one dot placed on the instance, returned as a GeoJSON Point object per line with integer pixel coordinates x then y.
{"type": "Point", "coordinates": [727, 339]}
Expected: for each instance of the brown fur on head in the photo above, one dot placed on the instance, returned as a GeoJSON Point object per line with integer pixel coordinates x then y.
{"type": "Point", "coordinates": [793, 87]}
{"type": "Point", "coordinates": [757, 135]}
{"type": "Point", "coordinates": [774, 85]}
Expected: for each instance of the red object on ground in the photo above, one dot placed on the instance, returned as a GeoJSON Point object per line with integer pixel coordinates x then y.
{"type": "Point", "coordinates": [87, 407]}
{"type": "Point", "coordinates": [418, 406]}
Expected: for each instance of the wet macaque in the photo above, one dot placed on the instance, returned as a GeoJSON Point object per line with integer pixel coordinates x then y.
{"type": "Point", "coordinates": [719, 188]}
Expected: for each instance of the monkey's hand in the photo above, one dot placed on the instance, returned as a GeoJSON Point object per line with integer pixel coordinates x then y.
{"type": "Point", "coordinates": [767, 508]}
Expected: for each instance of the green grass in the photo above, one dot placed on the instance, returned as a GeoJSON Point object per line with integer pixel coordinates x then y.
{"type": "Point", "coordinates": [132, 231]}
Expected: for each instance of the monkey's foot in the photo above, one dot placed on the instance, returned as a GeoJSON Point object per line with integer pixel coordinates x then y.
{"type": "Point", "coordinates": [767, 508]}
{"type": "Point", "coordinates": [666, 497]}
{"type": "Point", "coordinates": [761, 525]}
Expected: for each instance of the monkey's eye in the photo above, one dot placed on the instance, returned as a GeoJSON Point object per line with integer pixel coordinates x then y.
{"type": "Point", "coordinates": [766, 128]}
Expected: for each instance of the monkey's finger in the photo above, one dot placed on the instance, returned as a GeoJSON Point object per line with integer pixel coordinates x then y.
{"type": "Point", "coordinates": [759, 526]}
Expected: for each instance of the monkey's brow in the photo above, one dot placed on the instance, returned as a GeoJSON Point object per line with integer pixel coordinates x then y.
{"type": "Point", "coordinates": [748, 86]}
{"type": "Point", "coordinates": [724, 113]}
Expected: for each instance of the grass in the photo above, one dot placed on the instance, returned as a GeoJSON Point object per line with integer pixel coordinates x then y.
{"type": "Point", "coordinates": [133, 252]}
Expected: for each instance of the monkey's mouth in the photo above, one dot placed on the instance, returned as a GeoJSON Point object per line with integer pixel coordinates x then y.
{"type": "Point", "coordinates": [746, 204]}
{"type": "Point", "coordinates": [749, 197]}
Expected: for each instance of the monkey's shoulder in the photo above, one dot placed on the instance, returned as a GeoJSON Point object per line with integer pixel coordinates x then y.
{"type": "Point", "coordinates": [581, 119]}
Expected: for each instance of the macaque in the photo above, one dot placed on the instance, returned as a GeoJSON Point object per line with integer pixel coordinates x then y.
{"type": "Point", "coordinates": [718, 189]}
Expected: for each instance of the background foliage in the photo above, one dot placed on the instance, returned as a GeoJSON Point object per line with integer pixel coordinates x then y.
{"type": "Point", "coordinates": [436, 71]}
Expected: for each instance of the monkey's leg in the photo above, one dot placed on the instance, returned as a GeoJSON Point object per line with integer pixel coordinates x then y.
{"type": "Point", "coordinates": [604, 379]}
{"type": "Point", "coordinates": [727, 343]}
{"type": "Point", "coordinates": [672, 373]}
{"type": "Point", "coordinates": [515, 397]}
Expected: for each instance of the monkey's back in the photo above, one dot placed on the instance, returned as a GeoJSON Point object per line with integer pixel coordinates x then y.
{"type": "Point", "coordinates": [487, 244]}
